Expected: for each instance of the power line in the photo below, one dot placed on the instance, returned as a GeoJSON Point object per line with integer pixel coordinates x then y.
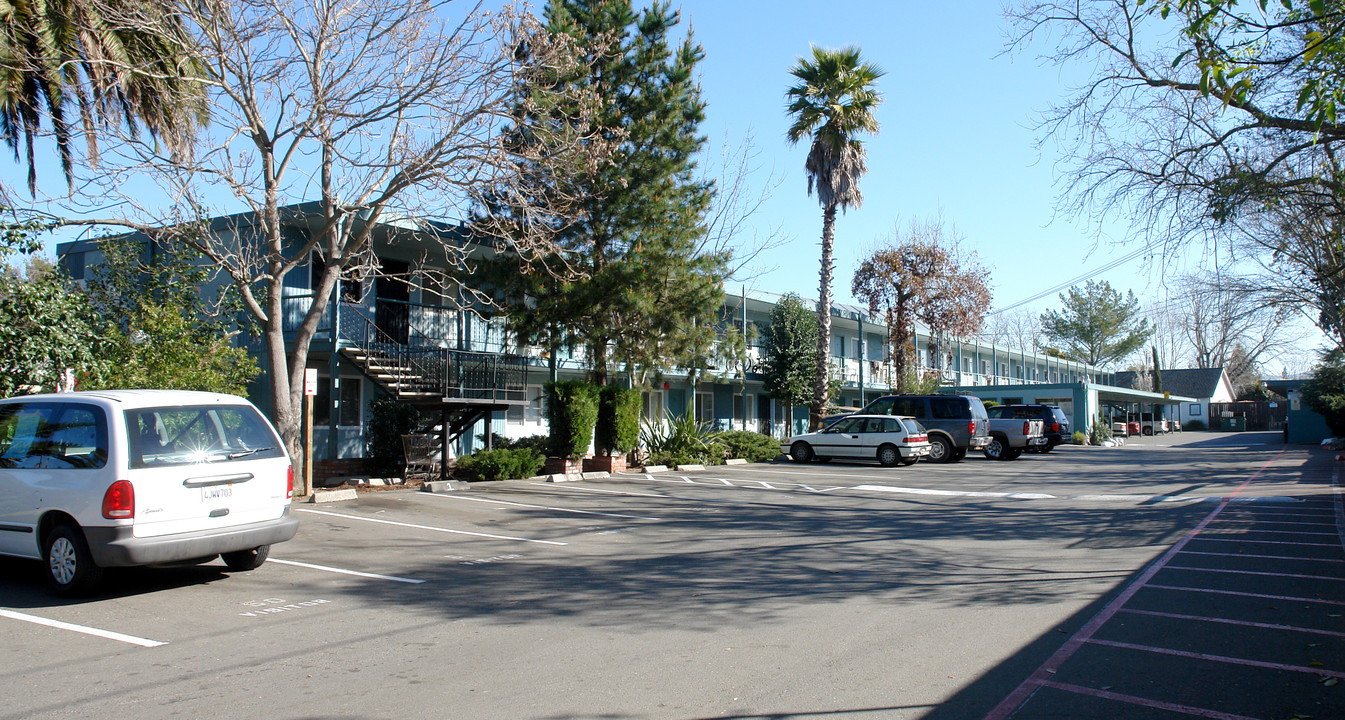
{"type": "Point", "coordinates": [1074, 281]}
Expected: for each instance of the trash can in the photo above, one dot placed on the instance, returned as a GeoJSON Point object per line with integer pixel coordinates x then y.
{"type": "Point", "coordinates": [1235, 424]}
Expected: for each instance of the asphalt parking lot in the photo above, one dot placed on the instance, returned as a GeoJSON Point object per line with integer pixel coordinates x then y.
{"type": "Point", "coordinates": [1178, 576]}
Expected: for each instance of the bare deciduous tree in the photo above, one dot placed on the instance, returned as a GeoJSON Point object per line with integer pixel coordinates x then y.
{"type": "Point", "coordinates": [1220, 315]}
{"type": "Point", "coordinates": [923, 275]}
{"type": "Point", "coordinates": [1015, 329]}
{"type": "Point", "coordinates": [378, 116]}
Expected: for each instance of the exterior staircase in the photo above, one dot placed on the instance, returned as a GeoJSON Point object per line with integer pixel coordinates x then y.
{"type": "Point", "coordinates": [454, 389]}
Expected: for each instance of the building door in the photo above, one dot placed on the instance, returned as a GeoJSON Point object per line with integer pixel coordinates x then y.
{"type": "Point", "coordinates": [393, 310]}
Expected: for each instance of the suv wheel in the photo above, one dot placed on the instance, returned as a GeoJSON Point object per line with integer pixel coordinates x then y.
{"type": "Point", "coordinates": [940, 449]}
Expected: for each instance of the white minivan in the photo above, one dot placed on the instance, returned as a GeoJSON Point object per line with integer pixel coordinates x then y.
{"type": "Point", "coordinates": [98, 479]}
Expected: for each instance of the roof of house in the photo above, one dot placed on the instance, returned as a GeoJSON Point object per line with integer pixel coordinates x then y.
{"type": "Point", "coordinates": [1190, 382]}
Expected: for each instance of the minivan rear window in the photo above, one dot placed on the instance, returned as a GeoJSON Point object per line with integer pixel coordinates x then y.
{"type": "Point", "coordinates": [188, 435]}
{"type": "Point", "coordinates": [52, 436]}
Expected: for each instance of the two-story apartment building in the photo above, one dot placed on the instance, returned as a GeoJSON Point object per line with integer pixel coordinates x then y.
{"type": "Point", "coordinates": [404, 333]}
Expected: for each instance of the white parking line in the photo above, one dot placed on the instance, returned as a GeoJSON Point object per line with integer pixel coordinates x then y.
{"type": "Point", "coordinates": [954, 493]}
{"type": "Point", "coordinates": [108, 634]}
{"type": "Point", "coordinates": [345, 572]}
{"type": "Point", "coordinates": [540, 507]}
{"type": "Point", "coordinates": [596, 490]}
{"type": "Point", "coordinates": [435, 529]}
{"type": "Point", "coordinates": [686, 480]}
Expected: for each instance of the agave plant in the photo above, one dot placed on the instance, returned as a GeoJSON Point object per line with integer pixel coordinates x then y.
{"type": "Point", "coordinates": [680, 440]}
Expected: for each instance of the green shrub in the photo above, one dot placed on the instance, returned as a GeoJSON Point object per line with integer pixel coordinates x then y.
{"type": "Point", "coordinates": [750, 446]}
{"type": "Point", "coordinates": [389, 420]}
{"type": "Point", "coordinates": [618, 428]}
{"type": "Point", "coordinates": [990, 403]}
{"type": "Point", "coordinates": [1194, 425]}
{"type": "Point", "coordinates": [1079, 438]}
{"type": "Point", "coordinates": [540, 443]}
{"type": "Point", "coordinates": [680, 440]}
{"type": "Point", "coordinates": [502, 464]}
{"type": "Point", "coordinates": [571, 413]}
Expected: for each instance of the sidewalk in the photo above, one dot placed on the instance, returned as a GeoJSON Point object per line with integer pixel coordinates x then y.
{"type": "Point", "coordinates": [1242, 618]}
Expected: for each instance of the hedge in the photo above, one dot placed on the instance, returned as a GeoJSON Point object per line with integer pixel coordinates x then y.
{"type": "Point", "coordinates": [618, 427]}
{"type": "Point", "coordinates": [571, 412]}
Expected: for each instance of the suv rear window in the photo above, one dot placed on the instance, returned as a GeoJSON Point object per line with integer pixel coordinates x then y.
{"type": "Point", "coordinates": [948, 408]}
{"type": "Point", "coordinates": [187, 435]}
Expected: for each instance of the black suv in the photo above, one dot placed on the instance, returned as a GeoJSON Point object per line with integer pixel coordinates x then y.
{"type": "Point", "coordinates": [1055, 424]}
{"type": "Point", "coordinates": [956, 423]}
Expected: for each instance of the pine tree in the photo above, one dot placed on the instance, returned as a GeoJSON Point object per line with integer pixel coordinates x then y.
{"type": "Point", "coordinates": [630, 284]}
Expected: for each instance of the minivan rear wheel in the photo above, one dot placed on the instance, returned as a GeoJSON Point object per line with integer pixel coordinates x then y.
{"type": "Point", "coordinates": [71, 570]}
{"type": "Point", "coordinates": [244, 560]}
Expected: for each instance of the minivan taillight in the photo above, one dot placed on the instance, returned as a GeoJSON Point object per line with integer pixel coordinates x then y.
{"type": "Point", "coordinates": [289, 483]}
{"type": "Point", "coordinates": [119, 501]}
{"type": "Point", "coordinates": [971, 428]}
{"type": "Point", "coordinates": [1055, 427]}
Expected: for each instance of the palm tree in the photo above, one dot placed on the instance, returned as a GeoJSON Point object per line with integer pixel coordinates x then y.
{"type": "Point", "coordinates": [118, 62]}
{"type": "Point", "coordinates": [833, 102]}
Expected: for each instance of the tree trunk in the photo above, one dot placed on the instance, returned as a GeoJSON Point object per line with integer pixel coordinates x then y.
{"type": "Point", "coordinates": [820, 380]}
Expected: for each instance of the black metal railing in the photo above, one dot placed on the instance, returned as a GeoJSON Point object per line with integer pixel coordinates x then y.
{"type": "Point", "coordinates": [419, 365]}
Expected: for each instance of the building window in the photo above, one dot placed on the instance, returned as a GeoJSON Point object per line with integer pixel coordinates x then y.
{"type": "Point", "coordinates": [705, 407]}
{"type": "Point", "coordinates": [1194, 410]}
{"type": "Point", "coordinates": [652, 405]}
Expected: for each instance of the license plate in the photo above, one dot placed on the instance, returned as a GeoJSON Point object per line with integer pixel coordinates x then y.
{"type": "Point", "coordinates": [213, 494]}
{"type": "Point", "coordinates": [1037, 441]}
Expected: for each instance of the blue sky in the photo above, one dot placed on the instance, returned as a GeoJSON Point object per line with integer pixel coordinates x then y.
{"type": "Point", "coordinates": [957, 140]}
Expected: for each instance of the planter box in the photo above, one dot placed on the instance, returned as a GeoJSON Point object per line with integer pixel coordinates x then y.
{"type": "Point", "coordinates": [563, 466]}
{"type": "Point", "coordinates": [605, 463]}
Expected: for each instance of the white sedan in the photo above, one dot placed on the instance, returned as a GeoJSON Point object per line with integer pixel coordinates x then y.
{"type": "Point", "coordinates": [890, 439]}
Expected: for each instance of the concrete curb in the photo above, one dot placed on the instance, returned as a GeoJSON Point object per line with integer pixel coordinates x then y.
{"type": "Point", "coordinates": [655, 469]}
{"type": "Point", "coordinates": [326, 496]}
{"type": "Point", "coordinates": [443, 486]}
{"type": "Point", "coordinates": [735, 461]}
{"type": "Point", "coordinates": [599, 475]}
{"type": "Point", "coordinates": [689, 468]}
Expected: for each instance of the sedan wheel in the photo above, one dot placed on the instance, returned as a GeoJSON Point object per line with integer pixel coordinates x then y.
{"type": "Point", "coordinates": [888, 456]}
{"type": "Point", "coordinates": [802, 452]}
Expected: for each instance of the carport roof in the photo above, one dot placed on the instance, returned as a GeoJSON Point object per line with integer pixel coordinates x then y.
{"type": "Point", "coordinates": [1105, 393]}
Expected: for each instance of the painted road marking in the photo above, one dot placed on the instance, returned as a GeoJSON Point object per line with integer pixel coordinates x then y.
{"type": "Point", "coordinates": [1263, 557]}
{"type": "Point", "coordinates": [954, 493]}
{"type": "Point", "coordinates": [1263, 596]}
{"type": "Point", "coordinates": [342, 571]}
{"type": "Point", "coordinates": [596, 490]}
{"type": "Point", "coordinates": [108, 634]}
{"type": "Point", "coordinates": [1251, 572]}
{"type": "Point", "coordinates": [1145, 702]}
{"type": "Point", "coordinates": [1243, 623]}
{"type": "Point", "coordinates": [432, 528]}
{"type": "Point", "coordinates": [540, 507]}
{"type": "Point", "coordinates": [1217, 658]}
{"type": "Point", "coordinates": [686, 480]}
